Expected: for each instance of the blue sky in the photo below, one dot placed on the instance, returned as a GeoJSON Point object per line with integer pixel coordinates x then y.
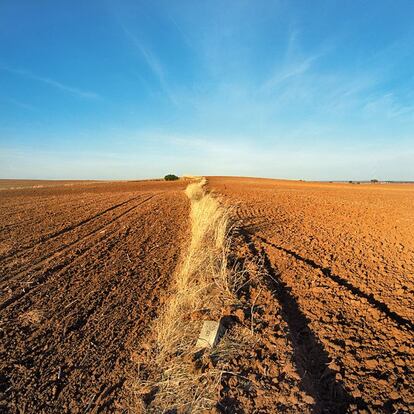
{"type": "Point", "coordinates": [109, 89]}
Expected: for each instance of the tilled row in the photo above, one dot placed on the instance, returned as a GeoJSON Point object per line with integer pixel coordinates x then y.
{"type": "Point", "coordinates": [264, 375]}
{"type": "Point", "coordinates": [69, 341]}
{"type": "Point", "coordinates": [47, 216]}
{"type": "Point", "coordinates": [38, 270]}
{"type": "Point", "coordinates": [370, 351]}
{"type": "Point", "coordinates": [79, 217]}
{"type": "Point", "coordinates": [317, 347]}
{"type": "Point", "coordinates": [347, 321]}
{"type": "Point", "coordinates": [349, 233]}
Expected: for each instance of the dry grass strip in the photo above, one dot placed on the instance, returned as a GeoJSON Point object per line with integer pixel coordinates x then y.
{"type": "Point", "coordinates": [183, 379]}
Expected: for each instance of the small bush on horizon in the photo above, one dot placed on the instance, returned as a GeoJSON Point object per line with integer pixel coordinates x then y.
{"type": "Point", "coordinates": [171, 177]}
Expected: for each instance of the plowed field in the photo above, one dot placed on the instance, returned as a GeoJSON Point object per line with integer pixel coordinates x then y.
{"type": "Point", "coordinates": [83, 270]}
{"type": "Point", "coordinates": [333, 306]}
{"type": "Point", "coordinates": [326, 300]}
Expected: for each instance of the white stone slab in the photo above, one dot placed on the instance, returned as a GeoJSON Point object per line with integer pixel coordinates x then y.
{"type": "Point", "coordinates": [209, 335]}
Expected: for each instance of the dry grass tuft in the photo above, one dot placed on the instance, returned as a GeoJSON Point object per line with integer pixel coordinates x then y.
{"type": "Point", "coordinates": [181, 377]}
{"type": "Point", "coordinates": [32, 317]}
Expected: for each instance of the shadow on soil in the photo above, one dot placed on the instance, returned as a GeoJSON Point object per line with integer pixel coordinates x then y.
{"type": "Point", "coordinates": [311, 358]}
{"type": "Point", "coordinates": [342, 282]}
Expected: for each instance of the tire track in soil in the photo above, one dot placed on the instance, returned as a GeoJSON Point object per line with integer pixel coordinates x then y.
{"type": "Point", "coordinates": [259, 225]}
{"type": "Point", "coordinates": [35, 284]}
{"type": "Point", "coordinates": [69, 228]}
{"type": "Point", "coordinates": [372, 371]}
{"type": "Point", "coordinates": [73, 326]}
{"type": "Point", "coordinates": [381, 306]}
{"type": "Point", "coordinates": [262, 225]}
{"type": "Point", "coordinates": [96, 401]}
{"type": "Point", "coordinates": [37, 215]}
{"type": "Point", "coordinates": [55, 269]}
{"type": "Point", "coordinates": [310, 356]}
{"type": "Point", "coordinates": [79, 358]}
{"type": "Point", "coordinates": [363, 235]}
{"type": "Point", "coordinates": [13, 209]}
{"type": "Point", "coordinates": [66, 246]}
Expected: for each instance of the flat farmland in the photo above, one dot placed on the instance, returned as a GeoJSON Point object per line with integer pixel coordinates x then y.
{"type": "Point", "coordinates": [10, 184]}
{"type": "Point", "coordinates": [318, 308]}
{"type": "Point", "coordinates": [334, 302]}
{"type": "Point", "coordinates": [84, 267]}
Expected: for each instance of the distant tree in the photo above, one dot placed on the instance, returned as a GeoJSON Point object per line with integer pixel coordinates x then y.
{"type": "Point", "coordinates": [374, 181]}
{"type": "Point", "coordinates": [350, 182]}
{"type": "Point", "coordinates": [170, 177]}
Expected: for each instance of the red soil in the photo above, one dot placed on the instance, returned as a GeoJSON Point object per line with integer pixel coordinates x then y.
{"type": "Point", "coordinates": [83, 271]}
{"type": "Point", "coordinates": [333, 306]}
{"type": "Point", "coordinates": [85, 267]}
{"type": "Point", "coordinates": [9, 184]}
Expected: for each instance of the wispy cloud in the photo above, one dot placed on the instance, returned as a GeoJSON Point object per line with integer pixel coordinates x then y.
{"type": "Point", "coordinates": [80, 93]}
{"type": "Point", "coordinates": [152, 62]}
{"type": "Point", "coordinates": [21, 104]}
{"type": "Point", "coordinates": [149, 57]}
{"type": "Point", "coordinates": [294, 63]}
{"type": "Point", "coordinates": [290, 71]}
{"type": "Point", "coordinates": [388, 105]}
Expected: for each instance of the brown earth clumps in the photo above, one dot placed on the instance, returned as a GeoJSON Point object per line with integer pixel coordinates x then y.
{"type": "Point", "coordinates": [322, 320]}
{"type": "Point", "coordinates": [84, 269]}
{"type": "Point", "coordinates": [332, 289]}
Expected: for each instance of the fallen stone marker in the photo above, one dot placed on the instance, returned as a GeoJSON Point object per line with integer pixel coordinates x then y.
{"type": "Point", "coordinates": [210, 334]}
